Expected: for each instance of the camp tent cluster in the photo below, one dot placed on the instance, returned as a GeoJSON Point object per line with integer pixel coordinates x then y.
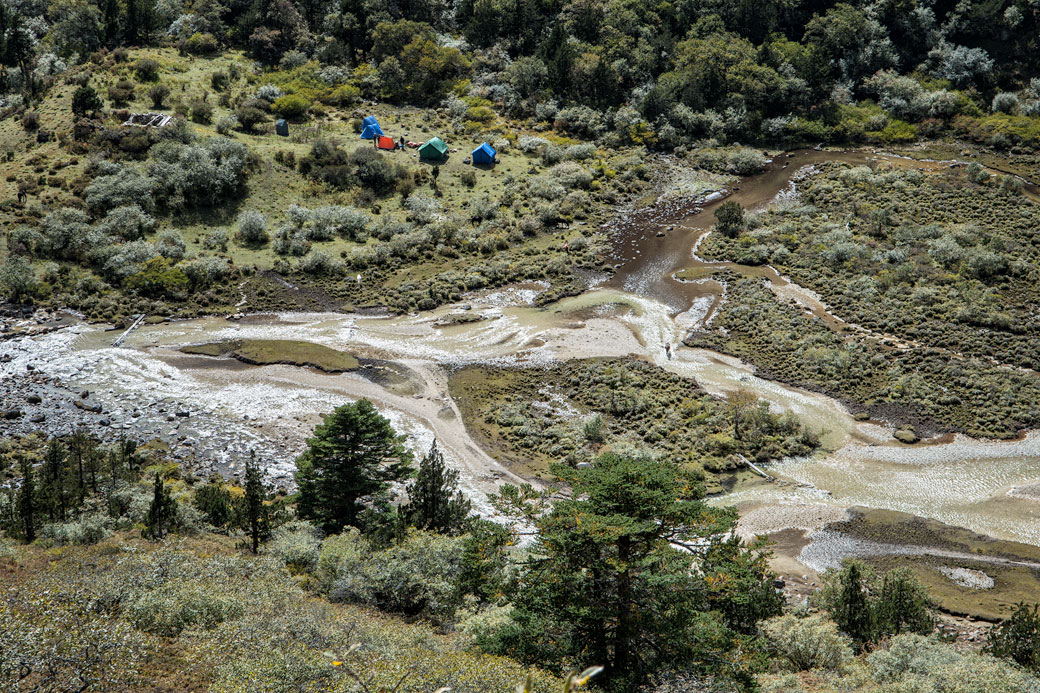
{"type": "Point", "coordinates": [433, 149]}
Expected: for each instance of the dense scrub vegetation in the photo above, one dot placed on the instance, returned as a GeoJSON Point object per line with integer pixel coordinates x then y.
{"type": "Point", "coordinates": [570, 410]}
{"type": "Point", "coordinates": [101, 611]}
{"type": "Point", "coordinates": [577, 93]}
{"type": "Point", "coordinates": [636, 72]}
{"type": "Point", "coordinates": [947, 260]}
{"type": "Point", "coordinates": [923, 387]}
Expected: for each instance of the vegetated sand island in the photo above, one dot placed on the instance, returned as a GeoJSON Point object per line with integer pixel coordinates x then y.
{"type": "Point", "coordinates": [420, 318]}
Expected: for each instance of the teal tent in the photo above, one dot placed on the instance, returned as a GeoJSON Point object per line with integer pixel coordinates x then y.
{"type": "Point", "coordinates": [282, 127]}
{"type": "Point", "coordinates": [433, 149]}
{"type": "Point", "coordinates": [483, 155]}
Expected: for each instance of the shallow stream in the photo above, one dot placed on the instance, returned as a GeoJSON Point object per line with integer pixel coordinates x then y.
{"type": "Point", "coordinates": [990, 487]}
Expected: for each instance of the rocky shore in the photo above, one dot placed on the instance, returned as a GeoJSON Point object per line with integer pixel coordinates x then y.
{"type": "Point", "coordinates": [43, 390]}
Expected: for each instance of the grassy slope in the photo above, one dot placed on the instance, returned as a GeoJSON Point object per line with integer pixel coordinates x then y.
{"type": "Point", "coordinates": [271, 634]}
{"type": "Point", "coordinates": [273, 187]}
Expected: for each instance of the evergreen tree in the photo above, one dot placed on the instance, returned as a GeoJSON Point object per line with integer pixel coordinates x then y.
{"type": "Point", "coordinates": [85, 100]}
{"type": "Point", "coordinates": [213, 500]}
{"type": "Point", "coordinates": [729, 218]}
{"type": "Point", "coordinates": [903, 605]}
{"type": "Point", "coordinates": [27, 502]}
{"type": "Point", "coordinates": [162, 512]}
{"type": "Point", "coordinates": [54, 482]}
{"type": "Point", "coordinates": [255, 518]}
{"type": "Point", "coordinates": [613, 578]}
{"type": "Point", "coordinates": [351, 461]}
{"type": "Point", "coordinates": [1018, 637]}
{"type": "Point", "coordinates": [435, 501]}
{"type": "Point", "coordinates": [848, 603]}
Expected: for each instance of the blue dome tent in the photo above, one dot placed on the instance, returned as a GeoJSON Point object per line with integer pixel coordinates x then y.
{"type": "Point", "coordinates": [484, 155]}
{"type": "Point", "coordinates": [369, 120]}
{"type": "Point", "coordinates": [370, 131]}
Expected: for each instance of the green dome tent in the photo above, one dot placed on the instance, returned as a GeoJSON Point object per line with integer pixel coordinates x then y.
{"type": "Point", "coordinates": [433, 149]}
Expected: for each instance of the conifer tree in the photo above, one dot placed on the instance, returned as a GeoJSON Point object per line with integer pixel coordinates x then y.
{"type": "Point", "coordinates": [435, 501]}
{"type": "Point", "coordinates": [162, 512]}
{"type": "Point", "coordinates": [27, 502]}
{"type": "Point", "coordinates": [255, 519]}
{"type": "Point", "coordinates": [349, 464]}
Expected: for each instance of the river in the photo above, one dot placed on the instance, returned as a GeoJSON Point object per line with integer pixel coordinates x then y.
{"type": "Point", "coordinates": [990, 487]}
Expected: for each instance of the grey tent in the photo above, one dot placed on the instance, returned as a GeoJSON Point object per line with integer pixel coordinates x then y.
{"type": "Point", "coordinates": [282, 127]}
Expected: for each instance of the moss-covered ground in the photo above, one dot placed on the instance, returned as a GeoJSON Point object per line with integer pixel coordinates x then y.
{"type": "Point", "coordinates": [264, 352]}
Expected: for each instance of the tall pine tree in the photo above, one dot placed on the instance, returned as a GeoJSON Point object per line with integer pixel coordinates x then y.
{"type": "Point", "coordinates": [350, 462]}
{"type": "Point", "coordinates": [435, 501]}
{"type": "Point", "coordinates": [162, 512]}
{"type": "Point", "coordinates": [27, 501]}
{"type": "Point", "coordinates": [254, 518]}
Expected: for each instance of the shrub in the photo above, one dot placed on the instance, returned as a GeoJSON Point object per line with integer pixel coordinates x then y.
{"type": "Point", "coordinates": [85, 100]}
{"type": "Point", "coordinates": [269, 93]}
{"type": "Point", "coordinates": [128, 222]}
{"type": "Point", "coordinates": [744, 162]}
{"type": "Point", "coordinates": [252, 228]}
{"type": "Point", "coordinates": [199, 44]}
{"type": "Point", "coordinates": [297, 545]}
{"type": "Point", "coordinates": [416, 577]}
{"type": "Point", "coordinates": [579, 152]}
{"type": "Point", "coordinates": [469, 179]}
{"type": "Point", "coordinates": [158, 93]}
{"type": "Point", "coordinates": [158, 279]}
{"type": "Point", "coordinates": [220, 80]}
{"type": "Point", "coordinates": [201, 111]}
{"type": "Point", "coordinates": [169, 609]}
{"type": "Point", "coordinates": [121, 93]}
{"type": "Point", "coordinates": [88, 529]}
{"type": "Point", "coordinates": [122, 188]}
{"type": "Point", "coordinates": [147, 69]}
{"type": "Point", "coordinates": [320, 262]}
{"type": "Point", "coordinates": [191, 175]}
{"type": "Point", "coordinates": [216, 240]}
{"type": "Point", "coordinates": [249, 115]}
{"type": "Point", "coordinates": [810, 642]}
{"type": "Point", "coordinates": [1006, 102]}
{"type": "Point", "coordinates": [292, 59]}
{"type": "Point", "coordinates": [226, 124]}
{"type": "Point", "coordinates": [346, 95]}
{"type": "Point", "coordinates": [291, 106]}
{"type": "Point", "coordinates": [31, 121]}
{"type": "Point", "coordinates": [170, 245]}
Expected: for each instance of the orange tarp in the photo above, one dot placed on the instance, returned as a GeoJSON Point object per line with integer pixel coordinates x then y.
{"type": "Point", "coordinates": [385, 142]}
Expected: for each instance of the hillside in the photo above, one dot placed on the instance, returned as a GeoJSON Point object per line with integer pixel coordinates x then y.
{"type": "Point", "coordinates": [534, 345]}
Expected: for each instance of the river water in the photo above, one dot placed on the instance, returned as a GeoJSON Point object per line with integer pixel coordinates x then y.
{"type": "Point", "coordinates": [990, 487]}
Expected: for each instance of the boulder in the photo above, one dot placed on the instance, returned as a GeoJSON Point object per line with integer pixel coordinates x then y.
{"type": "Point", "coordinates": [13, 414]}
{"type": "Point", "coordinates": [33, 399]}
{"type": "Point", "coordinates": [87, 405]}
